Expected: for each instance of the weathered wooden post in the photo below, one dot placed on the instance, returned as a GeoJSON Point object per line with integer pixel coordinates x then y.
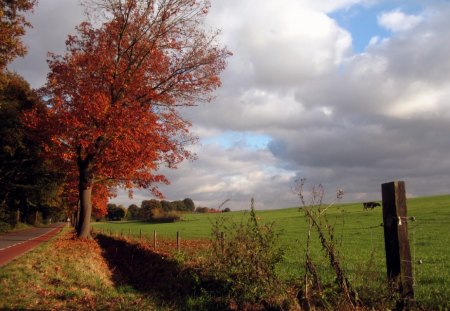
{"type": "Point", "coordinates": [140, 234]}
{"type": "Point", "coordinates": [398, 254]}
{"type": "Point", "coordinates": [178, 241]}
{"type": "Point", "coordinates": [154, 239]}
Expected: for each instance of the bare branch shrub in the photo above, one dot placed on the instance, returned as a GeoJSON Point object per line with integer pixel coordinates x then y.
{"type": "Point", "coordinates": [315, 215]}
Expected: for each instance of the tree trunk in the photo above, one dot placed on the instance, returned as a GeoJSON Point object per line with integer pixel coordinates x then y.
{"type": "Point", "coordinates": [85, 194]}
{"type": "Point", "coordinates": [84, 222]}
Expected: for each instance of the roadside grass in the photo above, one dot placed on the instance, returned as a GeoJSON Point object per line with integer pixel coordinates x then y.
{"type": "Point", "coordinates": [4, 228]}
{"type": "Point", "coordinates": [359, 237]}
{"type": "Point", "coordinates": [66, 274]}
{"type": "Point", "coordinates": [20, 226]}
{"type": "Point", "coordinates": [109, 273]}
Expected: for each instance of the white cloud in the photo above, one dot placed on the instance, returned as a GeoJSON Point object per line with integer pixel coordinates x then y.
{"type": "Point", "coordinates": [396, 20]}
{"type": "Point", "coordinates": [333, 5]}
{"type": "Point", "coordinates": [420, 100]}
{"type": "Point", "coordinates": [278, 43]}
{"type": "Point", "coordinates": [374, 41]}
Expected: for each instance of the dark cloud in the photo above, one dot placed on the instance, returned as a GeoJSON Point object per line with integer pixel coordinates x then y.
{"type": "Point", "coordinates": [52, 21]}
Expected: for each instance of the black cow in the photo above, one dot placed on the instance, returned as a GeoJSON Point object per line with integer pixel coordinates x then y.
{"type": "Point", "coordinates": [371, 205]}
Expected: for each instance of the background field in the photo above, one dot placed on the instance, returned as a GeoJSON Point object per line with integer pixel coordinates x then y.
{"type": "Point", "coordinates": [358, 234]}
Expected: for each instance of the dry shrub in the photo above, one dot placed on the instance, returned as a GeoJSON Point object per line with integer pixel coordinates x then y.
{"type": "Point", "coordinates": [244, 257]}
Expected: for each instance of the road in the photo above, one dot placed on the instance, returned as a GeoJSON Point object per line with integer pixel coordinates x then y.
{"type": "Point", "coordinates": [15, 244]}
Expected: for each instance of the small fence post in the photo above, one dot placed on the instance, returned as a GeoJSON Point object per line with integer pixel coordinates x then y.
{"type": "Point", "coordinates": [398, 255]}
{"type": "Point", "coordinates": [140, 234]}
{"type": "Point", "coordinates": [154, 239]}
{"type": "Point", "coordinates": [178, 241]}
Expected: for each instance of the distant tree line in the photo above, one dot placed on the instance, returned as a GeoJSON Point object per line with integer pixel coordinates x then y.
{"type": "Point", "coordinates": [211, 210]}
{"type": "Point", "coordinates": [156, 210]}
{"type": "Point", "coordinates": [151, 210]}
{"type": "Point", "coordinates": [115, 212]}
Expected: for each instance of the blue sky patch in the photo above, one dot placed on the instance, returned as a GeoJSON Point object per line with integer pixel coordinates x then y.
{"type": "Point", "coordinates": [361, 20]}
{"type": "Point", "coordinates": [231, 139]}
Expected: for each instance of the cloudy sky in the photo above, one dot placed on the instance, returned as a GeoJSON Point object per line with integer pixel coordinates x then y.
{"type": "Point", "coordinates": [347, 93]}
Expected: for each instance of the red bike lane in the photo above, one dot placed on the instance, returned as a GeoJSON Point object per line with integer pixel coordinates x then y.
{"type": "Point", "coordinates": [15, 244]}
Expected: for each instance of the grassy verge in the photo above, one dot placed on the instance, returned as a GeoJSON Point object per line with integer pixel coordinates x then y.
{"type": "Point", "coordinates": [20, 226]}
{"type": "Point", "coordinates": [109, 273]}
{"type": "Point", "coordinates": [66, 274]}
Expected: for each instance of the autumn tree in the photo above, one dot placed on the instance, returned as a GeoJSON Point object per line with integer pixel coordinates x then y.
{"type": "Point", "coordinates": [113, 97]}
{"type": "Point", "coordinates": [12, 28]}
{"type": "Point", "coordinates": [28, 183]}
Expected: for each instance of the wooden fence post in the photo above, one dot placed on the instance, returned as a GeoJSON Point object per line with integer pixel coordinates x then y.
{"type": "Point", "coordinates": [178, 241]}
{"type": "Point", "coordinates": [140, 234]}
{"type": "Point", "coordinates": [154, 239]}
{"type": "Point", "coordinates": [398, 255]}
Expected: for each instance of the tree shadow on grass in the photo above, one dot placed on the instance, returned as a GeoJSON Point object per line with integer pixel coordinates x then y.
{"type": "Point", "coordinates": [162, 279]}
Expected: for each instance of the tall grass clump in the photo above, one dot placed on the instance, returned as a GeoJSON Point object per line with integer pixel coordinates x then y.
{"type": "Point", "coordinates": [244, 258]}
{"type": "Point", "coordinates": [313, 292]}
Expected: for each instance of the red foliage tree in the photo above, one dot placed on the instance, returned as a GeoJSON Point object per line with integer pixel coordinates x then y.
{"type": "Point", "coordinates": [12, 28]}
{"type": "Point", "coordinates": [112, 98]}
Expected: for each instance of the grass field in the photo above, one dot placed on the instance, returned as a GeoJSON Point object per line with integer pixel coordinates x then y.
{"type": "Point", "coordinates": [359, 237]}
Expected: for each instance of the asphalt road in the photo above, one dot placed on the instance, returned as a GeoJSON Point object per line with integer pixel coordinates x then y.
{"type": "Point", "coordinates": [15, 244]}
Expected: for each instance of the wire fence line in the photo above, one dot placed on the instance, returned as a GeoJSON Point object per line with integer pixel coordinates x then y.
{"type": "Point", "coordinates": [429, 270]}
{"type": "Point", "coordinates": [165, 243]}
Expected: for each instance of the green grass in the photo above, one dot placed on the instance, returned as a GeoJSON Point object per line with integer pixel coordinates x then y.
{"type": "Point", "coordinates": [66, 274]}
{"type": "Point", "coordinates": [358, 235]}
